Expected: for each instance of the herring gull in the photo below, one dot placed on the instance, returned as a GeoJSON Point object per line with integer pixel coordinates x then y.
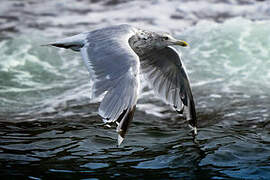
{"type": "Point", "coordinates": [116, 55]}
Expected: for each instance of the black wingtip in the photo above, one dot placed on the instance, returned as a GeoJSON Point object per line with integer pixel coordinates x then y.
{"type": "Point", "coordinates": [124, 121]}
{"type": "Point", "coordinates": [193, 115]}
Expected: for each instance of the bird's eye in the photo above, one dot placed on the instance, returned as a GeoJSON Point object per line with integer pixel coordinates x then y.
{"type": "Point", "coordinates": [166, 38]}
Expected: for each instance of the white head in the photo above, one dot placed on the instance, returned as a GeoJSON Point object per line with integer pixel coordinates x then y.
{"type": "Point", "coordinates": [165, 39]}
{"type": "Point", "coordinates": [144, 41]}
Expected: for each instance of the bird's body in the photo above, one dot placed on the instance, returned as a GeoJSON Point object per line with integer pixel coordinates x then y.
{"type": "Point", "coordinates": [116, 55]}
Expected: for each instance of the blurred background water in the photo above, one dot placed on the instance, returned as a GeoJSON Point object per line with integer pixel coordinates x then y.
{"type": "Point", "coordinates": [49, 128]}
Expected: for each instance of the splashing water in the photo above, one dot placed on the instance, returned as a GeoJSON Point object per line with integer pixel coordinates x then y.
{"type": "Point", "coordinates": [234, 55]}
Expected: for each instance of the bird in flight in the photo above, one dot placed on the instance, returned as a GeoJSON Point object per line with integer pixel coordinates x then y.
{"type": "Point", "coordinates": [116, 55]}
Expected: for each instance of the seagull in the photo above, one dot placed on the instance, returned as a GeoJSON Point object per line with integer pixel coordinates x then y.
{"type": "Point", "coordinates": [115, 56]}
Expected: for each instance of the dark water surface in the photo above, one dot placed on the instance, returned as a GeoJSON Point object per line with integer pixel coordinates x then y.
{"type": "Point", "coordinates": [49, 128]}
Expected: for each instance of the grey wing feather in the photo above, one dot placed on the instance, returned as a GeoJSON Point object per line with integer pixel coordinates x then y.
{"type": "Point", "coordinates": [114, 66]}
{"type": "Point", "coordinates": [164, 71]}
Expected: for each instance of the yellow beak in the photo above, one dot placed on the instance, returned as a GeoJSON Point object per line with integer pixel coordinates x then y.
{"type": "Point", "coordinates": [181, 43]}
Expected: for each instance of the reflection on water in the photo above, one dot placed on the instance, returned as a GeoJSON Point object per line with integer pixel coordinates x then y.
{"type": "Point", "coordinates": [50, 129]}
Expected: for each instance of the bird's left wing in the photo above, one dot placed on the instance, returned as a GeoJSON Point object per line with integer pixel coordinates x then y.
{"type": "Point", "coordinates": [114, 68]}
{"type": "Point", "coordinates": [164, 71]}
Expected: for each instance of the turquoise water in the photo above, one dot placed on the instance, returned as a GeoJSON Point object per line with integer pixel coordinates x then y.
{"type": "Point", "coordinates": [50, 128]}
{"type": "Point", "coordinates": [234, 55]}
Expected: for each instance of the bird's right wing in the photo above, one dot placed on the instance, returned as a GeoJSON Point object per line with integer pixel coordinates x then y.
{"type": "Point", "coordinates": [114, 67]}
{"type": "Point", "coordinates": [164, 71]}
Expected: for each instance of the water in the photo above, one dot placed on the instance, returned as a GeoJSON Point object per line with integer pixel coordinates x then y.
{"type": "Point", "coordinates": [49, 128]}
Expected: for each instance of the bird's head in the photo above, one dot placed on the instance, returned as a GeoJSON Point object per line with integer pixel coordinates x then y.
{"type": "Point", "coordinates": [147, 40]}
{"type": "Point", "coordinates": [164, 40]}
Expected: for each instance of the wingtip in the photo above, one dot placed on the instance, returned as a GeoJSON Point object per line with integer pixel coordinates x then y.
{"type": "Point", "coordinates": [122, 126]}
{"type": "Point", "coordinates": [120, 140]}
{"type": "Point", "coordinates": [49, 44]}
{"type": "Point", "coordinates": [194, 129]}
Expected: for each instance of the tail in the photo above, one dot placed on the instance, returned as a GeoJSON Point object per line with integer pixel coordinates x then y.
{"type": "Point", "coordinates": [74, 42]}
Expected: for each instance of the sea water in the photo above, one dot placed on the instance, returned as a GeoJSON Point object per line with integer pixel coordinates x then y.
{"type": "Point", "coordinates": [49, 127]}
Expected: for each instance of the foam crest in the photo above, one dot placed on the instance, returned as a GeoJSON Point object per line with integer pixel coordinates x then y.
{"type": "Point", "coordinates": [30, 74]}
{"type": "Point", "coordinates": [235, 53]}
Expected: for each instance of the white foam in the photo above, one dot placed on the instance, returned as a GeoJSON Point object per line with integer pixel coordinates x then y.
{"type": "Point", "coordinates": [229, 54]}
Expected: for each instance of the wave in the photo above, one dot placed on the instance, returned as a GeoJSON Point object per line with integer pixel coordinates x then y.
{"type": "Point", "coordinates": [229, 57]}
{"type": "Point", "coordinates": [31, 74]}
{"type": "Point", "coordinates": [222, 58]}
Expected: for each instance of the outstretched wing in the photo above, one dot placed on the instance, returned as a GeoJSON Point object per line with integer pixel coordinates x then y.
{"type": "Point", "coordinates": [164, 71]}
{"type": "Point", "coordinates": [114, 67]}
